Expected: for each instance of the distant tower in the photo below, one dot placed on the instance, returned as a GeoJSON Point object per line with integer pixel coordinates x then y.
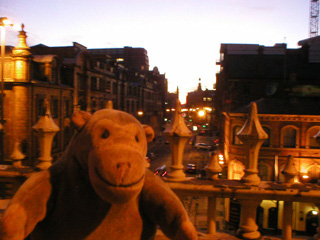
{"type": "Point", "coordinates": [177, 92]}
{"type": "Point", "coordinates": [199, 86]}
{"type": "Point", "coordinates": [314, 18]}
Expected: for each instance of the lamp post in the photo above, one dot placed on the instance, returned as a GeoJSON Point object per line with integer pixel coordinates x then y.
{"type": "Point", "coordinates": [3, 23]}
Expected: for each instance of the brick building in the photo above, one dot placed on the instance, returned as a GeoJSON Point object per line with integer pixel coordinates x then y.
{"type": "Point", "coordinates": [285, 85]}
{"type": "Point", "coordinates": [73, 78]}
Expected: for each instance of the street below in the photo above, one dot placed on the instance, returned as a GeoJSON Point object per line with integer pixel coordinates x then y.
{"type": "Point", "coordinates": [161, 152]}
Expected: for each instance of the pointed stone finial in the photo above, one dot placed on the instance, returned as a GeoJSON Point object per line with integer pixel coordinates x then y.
{"type": "Point", "coordinates": [178, 127]}
{"type": "Point", "coordinates": [290, 170]}
{"type": "Point", "coordinates": [214, 168]}
{"type": "Point", "coordinates": [45, 130]}
{"type": "Point", "coordinates": [17, 156]}
{"type": "Point", "coordinates": [252, 135]}
{"type": "Point", "coordinates": [178, 134]}
{"type": "Point", "coordinates": [109, 105]}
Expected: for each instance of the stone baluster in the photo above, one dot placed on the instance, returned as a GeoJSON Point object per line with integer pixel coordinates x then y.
{"type": "Point", "coordinates": [252, 135]}
{"type": "Point", "coordinates": [289, 173]}
{"type": "Point", "coordinates": [287, 221]}
{"type": "Point", "coordinates": [45, 130]}
{"type": "Point", "coordinates": [214, 168]}
{"type": "Point", "coordinates": [211, 215]}
{"type": "Point", "coordinates": [177, 134]}
{"type": "Point", "coordinates": [17, 156]}
{"type": "Point", "coordinates": [248, 226]}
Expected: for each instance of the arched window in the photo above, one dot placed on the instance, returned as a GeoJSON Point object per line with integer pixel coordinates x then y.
{"type": "Point", "coordinates": [236, 140]}
{"type": "Point", "coordinates": [266, 142]}
{"type": "Point", "coordinates": [311, 142]}
{"type": "Point", "coordinates": [289, 137]}
{"type": "Point", "coordinates": [314, 173]}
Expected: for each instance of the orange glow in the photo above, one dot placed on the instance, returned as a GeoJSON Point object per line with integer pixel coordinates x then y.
{"type": "Point", "coordinates": [6, 21]}
{"type": "Point", "coordinates": [20, 69]}
{"type": "Point", "coordinates": [201, 113]}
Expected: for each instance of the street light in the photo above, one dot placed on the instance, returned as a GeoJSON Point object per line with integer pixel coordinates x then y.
{"type": "Point", "coordinates": [4, 22]}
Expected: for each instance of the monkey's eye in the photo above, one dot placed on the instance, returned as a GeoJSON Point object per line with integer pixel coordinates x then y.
{"type": "Point", "coordinates": [137, 139]}
{"type": "Point", "coordinates": [105, 134]}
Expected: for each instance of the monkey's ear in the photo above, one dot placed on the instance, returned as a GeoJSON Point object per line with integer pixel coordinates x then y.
{"type": "Point", "coordinates": [149, 132]}
{"type": "Point", "coordinates": [80, 118]}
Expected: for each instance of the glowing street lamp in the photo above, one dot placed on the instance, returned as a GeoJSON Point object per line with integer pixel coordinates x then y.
{"type": "Point", "coordinates": [4, 22]}
{"type": "Point", "coordinates": [201, 113]}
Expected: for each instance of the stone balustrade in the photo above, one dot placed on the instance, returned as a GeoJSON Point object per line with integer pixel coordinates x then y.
{"type": "Point", "coordinates": [249, 191]}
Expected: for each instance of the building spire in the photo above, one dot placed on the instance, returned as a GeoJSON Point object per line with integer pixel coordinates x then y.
{"type": "Point", "coordinates": [199, 86]}
{"type": "Point", "coordinates": [178, 92]}
{"type": "Point", "coordinates": [22, 48]}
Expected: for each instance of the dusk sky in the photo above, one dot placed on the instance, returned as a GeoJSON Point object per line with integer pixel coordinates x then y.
{"type": "Point", "coordinates": [182, 37]}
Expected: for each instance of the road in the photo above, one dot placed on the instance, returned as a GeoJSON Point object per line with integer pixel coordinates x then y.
{"type": "Point", "coordinates": [195, 206]}
{"type": "Point", "coordinates": [162, 154]}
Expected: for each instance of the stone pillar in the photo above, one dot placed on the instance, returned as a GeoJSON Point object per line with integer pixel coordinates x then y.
{"type": "Point", "coordinates": [211, 215]}
{"type": "Point", "coordinates": [178, 134]}
{"type": "Point", "coordinates": [17, 156]}
{"type": "Point", "coordinates": [45, 130]}
{"type": "Point", "coordinates": [289, 173]}
{"type": "Point", "coordinates": [287, 221]}
{"type": "Point", "coordinates": [248, 227]}
{"type": "Point", "coordinates": [252, 135]}
{"type": "Point", "coordinates": [213, 169]}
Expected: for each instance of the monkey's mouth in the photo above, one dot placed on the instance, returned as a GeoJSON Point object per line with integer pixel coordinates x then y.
{"type": "Point", "coordinates": [118, 185]}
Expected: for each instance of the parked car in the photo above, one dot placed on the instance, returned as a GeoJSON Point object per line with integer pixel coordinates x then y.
{"type": "Point", "coordinates": [191, 168]}
{"type": "Point", "coordinates": [161, 171]}
{"type": "Point", "coordinates": [203, 146]}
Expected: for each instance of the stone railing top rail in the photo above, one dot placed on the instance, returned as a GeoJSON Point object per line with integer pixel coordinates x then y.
{"type": "Point", "coordinates": [296, 192]}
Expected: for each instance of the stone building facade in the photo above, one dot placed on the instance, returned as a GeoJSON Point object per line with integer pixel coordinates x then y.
{"type": "Point", "coordinates": [74, 78]}
{"type": "Point", "coordinates": [284, 84]}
